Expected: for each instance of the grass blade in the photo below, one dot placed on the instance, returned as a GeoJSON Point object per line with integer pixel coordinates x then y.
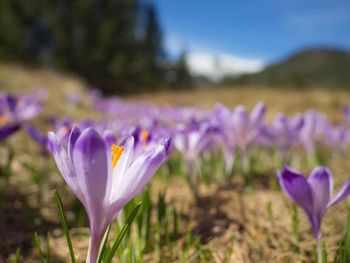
{"type": "Point", "coordinates": [104, 243]}
{"type": "Point", "coordinates": [65, 226]}
{"type": "Point", "coordinates": [17, 256]}
{"type": "Point", "coordinates": [123, 232]}
{"type": "Point", "coordinates": [38, 246]}
{"type": "Point", "coordinates": [48, 249]}
{"type": "Point", "coordinates": [324, 253]}
{"type": "Point", "coordinates": [347, 238]}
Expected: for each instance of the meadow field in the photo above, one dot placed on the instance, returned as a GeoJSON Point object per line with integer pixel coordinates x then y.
{"type": "Point", "coordinates": [242, 216]}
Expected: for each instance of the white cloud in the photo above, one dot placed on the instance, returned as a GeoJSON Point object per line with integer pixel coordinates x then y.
{"type": "Point", "coordinates": [210, 62]}
{"type": "Point", "coordinates": [217, 66]}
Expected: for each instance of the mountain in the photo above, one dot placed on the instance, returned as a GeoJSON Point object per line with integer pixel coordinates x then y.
{"type": "Point", "coordinates": [216, 66]}
{"type": "Point", "coordinates": [319, 67]}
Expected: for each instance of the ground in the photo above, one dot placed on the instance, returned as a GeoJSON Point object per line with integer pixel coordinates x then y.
{"type": "Point", "coordinates": [234, 222]}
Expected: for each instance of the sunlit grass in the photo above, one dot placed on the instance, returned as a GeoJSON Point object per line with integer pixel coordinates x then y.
{"type": "Point", "coordinates": [235, 221]}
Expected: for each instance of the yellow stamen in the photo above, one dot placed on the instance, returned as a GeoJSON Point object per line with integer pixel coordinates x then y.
{"type": "Point", "coordinates": [144, 135]}
{"type": "Point", "coordinates": [116, 153]}
{"type": "Point", "coordinates": [3, 120]}
{"type": "Point", "coordinates": [63, 132]}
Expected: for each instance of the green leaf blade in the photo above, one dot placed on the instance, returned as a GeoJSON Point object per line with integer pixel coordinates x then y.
{"type": "Point", "coordinates": [64, 224]}
{"type": "Point", "coordinates": [124, 230]}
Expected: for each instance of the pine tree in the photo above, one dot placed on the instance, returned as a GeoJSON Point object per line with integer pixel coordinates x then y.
{"type": "Point", "coordinates": [114, 44]}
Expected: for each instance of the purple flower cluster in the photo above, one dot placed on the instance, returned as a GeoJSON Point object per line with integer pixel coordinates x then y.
{"type": "Point", "coordinates": [196, 131]}
{"type": "Point", "coordinates": [16, 109]}
{"type": "Point", "coordinates": [107, 162]}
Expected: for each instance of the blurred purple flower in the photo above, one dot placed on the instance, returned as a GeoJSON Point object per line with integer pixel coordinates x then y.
{"type": "Point", "coordinates": [40, 138]}
{"type": "Point", "coordinates": [145, 139]}
{"type": "Point", "coordinates": [283, 132]}
{"type": "Point", "coordinates": [346, 111]}
{"type": "Point", "coordinates": [7, 130]}
{"type": "Point", "coordinates": [247, 127]}
{"type": "Point", "coordinates": [16, 109]}
{"type": "Point", "coordinates": [104, 180]}
{"type": "Point", "coordinates": [62, 128]}
{"type": "Point", "coordinates": [194, 139]}
{"type": "Point", "coordinates": [313, 194]}
{"type": "Point", "coordinates": [312, 131]}
{"type": "Point", "coordinates": [337, 137]}
{"type": "Point", "coordinates": [240, 129]}
{"type": "Point", "coordinates": [227, 136]}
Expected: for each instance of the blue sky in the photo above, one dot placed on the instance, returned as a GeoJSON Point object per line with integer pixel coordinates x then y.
{"type": "Point", "coordinates": [266, 30]}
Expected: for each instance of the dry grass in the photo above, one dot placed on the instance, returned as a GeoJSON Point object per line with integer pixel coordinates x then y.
{"type": "Point", "coordinates": [289, 101]}
{"type": "Point", "coordinates": [230, 217]}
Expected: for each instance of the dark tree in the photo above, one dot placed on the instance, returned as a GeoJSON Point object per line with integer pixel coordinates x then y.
{"type": "Point", "coordinates": [114, 44]}
{"type": "Point", "coordinates": [180, 75]}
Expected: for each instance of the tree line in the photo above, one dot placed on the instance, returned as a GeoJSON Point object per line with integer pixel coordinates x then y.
{"type": "Point", "coordinates": [116, 45]}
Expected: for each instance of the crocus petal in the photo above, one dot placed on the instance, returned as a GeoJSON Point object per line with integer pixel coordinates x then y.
{"type": "Point", "coordinates": [29, 111]}
{"type": "Point", "coordinates": [194, 140]}
{"type": "Point", "coordinates": [126, 157]}
{"type": "Point", "coordinates": [109, 138]}
{"type": "Point", "coordinates": [240, 122]}
{"type": "Point", "coordinates": [181, 142]}
{"type": "Point", "coordinates": [122, 165]}
{"type": "Point", "coordinates": [8, 130]}
{"type": "Point", "coordinates": [321, 183]}
{"type": "Point", "coordinates": [11, 101]}
{"type": "Point", "coordinates": [37, 136]}
{"type": "Point", "coordinates": [90, 160]}
{"type": "Point", "coordinates": [342, 194]}
{"type": "Point", "coordinates": [257, 115]}
{"type": "Point", "coordinates": [64, 165]}
{"type": "Point", "coordinates": [138, 175]}
{"type": "Point", "coordinates": [297, 188]}
{"type": "Point", "coordinates": [73, 137]}
{"type": "Point", "coordinates": [297, 122]}
{"type": "Point", "coordinates": [240, 119]}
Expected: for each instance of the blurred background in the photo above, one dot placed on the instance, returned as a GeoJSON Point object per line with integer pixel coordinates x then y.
{"type": "Point", "coordinates": [133, 46]}
{"type": "Point", "coordinates": [63, 55]}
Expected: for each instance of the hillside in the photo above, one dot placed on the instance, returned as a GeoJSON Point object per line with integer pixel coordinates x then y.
{"type": "Point", "coordinates": [18, 79]}
{"type": "Point", "coordinates": [223, 221]}
{"type": "Point", "coordinates": [321, 67]}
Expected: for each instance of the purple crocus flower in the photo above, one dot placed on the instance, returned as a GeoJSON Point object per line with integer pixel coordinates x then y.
{"type": "Point", "coordinates": [194, 139]}
{"type": "Point", "coordinates": [312, 194]}
{"type": "Point", "coordinates": [337, 137]}
{"type": "Point", "coordinates": [14, 110]}
{"type": "Point", "coordinates": [247, 126]}
{"type": "Point", "coordinates": [104, 180]}
{"type": "Point", "coordinates": [63, 127]}
{"type": "Point", "coordinates": [226, 135]}
{"type": "Point", "coordinates": [283, 133]}
{"type": "Point", "coordinates": [147, 138]}
{"type": "Point", "coordinates": [244, 127]}
{"type": "Point", "coordinates": [40, 138]}
{"type": "Point", "coordinates": [20, 108]}
{"type": "Point", "coordinates": [346, 111]}
{"type": "Point", "coordinates": [312, 131]}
